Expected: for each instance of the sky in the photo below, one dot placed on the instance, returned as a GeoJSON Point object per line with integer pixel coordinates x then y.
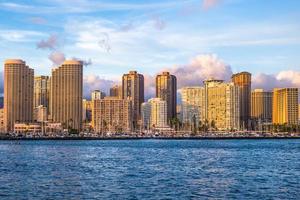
{"type": "Point", "coordinates": [193, 39]}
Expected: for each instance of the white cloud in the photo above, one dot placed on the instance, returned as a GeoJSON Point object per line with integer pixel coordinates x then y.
{"type": "Point", "coordinates": [57, 58]}
{"type": "Point", "coordinates": [19, 35]}
{"type": "Point", "coordinates": [200, 68]}
{"type": "Point", "coordinates": [94, 82]}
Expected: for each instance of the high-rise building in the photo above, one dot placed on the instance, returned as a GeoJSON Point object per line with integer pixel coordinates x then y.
{"type": "Point", "coordinates": [112, 114]}
{"type": "Point", "coordinates": [66, 94]}
{"type": "Point", "coordinates": [18, 93]}
{"type": "Point", "coordinates": [41, 91]}
{"type": "Point", "coordinates": [285, 106]}
{"type": "Point", "coordinates": [166, 89]}
{"type": "Point", "coordinates": [193, 104]}
{"type": "Point", "coordinates": [243, 80]}
{"type": "Point", "coordinates": [97, 94]}
{"type": "Point", "coordinates": [116, 91]}
{"type": "Point", "coordinates": [261, 105]}
{"type": "Point", "coordinates": [222, 104]}
{"type": "Point", "coordinates": [133, 89]}
{"type": "Point", "coordinates": [146, 115]}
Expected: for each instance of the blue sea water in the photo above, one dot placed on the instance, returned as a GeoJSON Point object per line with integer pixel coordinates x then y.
{"type": "Point", "coordinates": [150, 169]}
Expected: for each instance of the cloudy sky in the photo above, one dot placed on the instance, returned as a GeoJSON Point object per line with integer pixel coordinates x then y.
{"type": "Point", "coordinates": [194, 39]}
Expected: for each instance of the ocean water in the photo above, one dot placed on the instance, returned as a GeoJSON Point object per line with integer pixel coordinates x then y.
{"type": "Point", "coordinates": [150, 169]}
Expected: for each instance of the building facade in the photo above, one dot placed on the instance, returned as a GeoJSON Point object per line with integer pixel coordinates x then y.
{"type": "Point", "coordinates": [261, 106]}
{"type": "Point", "coordinates": [243, 80]}
{"type": "Point", "coordinates": [285, 106]}
{"type": "Point", "coordinates": [18, 93]}
{"type": "Point", "coordinates": [66, 94]}
{"type": "Point", "coordinates": [166, 89]}
{"type": "Point", "coordinates": [133, 89]}
{"type": "Point", "coordinates": [193, 104]}
{"type": "Point", "coordinates": [159, 113]}
{"type": "Point", "coordinates": [222, 104]}
{"type": "Point", "coordinates": [112, 114]}
{"type": "Point", "coordinates": [41, 91]}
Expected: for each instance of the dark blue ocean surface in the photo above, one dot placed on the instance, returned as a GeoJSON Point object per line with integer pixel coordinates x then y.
{"type": "Point", "coordinates": [150, 169]}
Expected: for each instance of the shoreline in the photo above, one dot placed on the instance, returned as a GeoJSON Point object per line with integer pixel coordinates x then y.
{"type": "Point", "coordinates": [146, 138]}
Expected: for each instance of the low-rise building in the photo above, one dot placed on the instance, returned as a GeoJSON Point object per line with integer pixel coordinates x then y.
{"type": "Point", "coordinates": [27, 128]}
{"type": "Point", "coordinates": [112, 114]}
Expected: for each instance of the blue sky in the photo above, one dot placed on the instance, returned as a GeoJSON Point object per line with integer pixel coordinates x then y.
{"type": "Point", "coordinates": [260, 36]}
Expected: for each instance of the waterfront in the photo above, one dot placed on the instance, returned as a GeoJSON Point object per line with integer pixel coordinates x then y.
{"type": "Point", "coordinates": [150, 169]}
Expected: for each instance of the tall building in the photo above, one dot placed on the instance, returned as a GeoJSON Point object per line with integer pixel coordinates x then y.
{"type": "Point", "coordinates": [285, 106]}
{"type": "Point", "coordinates": [243, 80]}
{"type": "Point", "coordinates": [222, 104]}
{"type": "Point", "coordinates": [193, 104]}
{"type": "Point", "coordinates": [146, 115]}
{"type": "Point", "coordinates": [261, 105]}
{"type": "Point", "coordinates": [133, 89]}
{"type": "Point", "coordinates": [66, 94]}
{"type": "Point", "coordinates": [112, 114]}
{"type": "Point", "coordinates": [18, 93]}
{"type": "Point", "coordinates": [166, 89]}
{"type": "Point", "coordinates": [41, 91]}
{"type": "Point", "coordinates": [116, 91]}
{"type": "Point", "coordinates": [97, 94]}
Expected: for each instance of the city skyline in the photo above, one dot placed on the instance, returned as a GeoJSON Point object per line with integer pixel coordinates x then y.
{"type": "Point", "coordinates": [115, 37]}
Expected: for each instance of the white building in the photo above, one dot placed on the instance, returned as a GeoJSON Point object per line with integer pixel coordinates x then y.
{"type": "Point", "coordinates": [158, 113]}
{"type": "Point", "coordinates": [146, 115]}
{"type": "Point", "coordinates": [97, 94]}
{"type": "Point", "coordinates": [193, 103]}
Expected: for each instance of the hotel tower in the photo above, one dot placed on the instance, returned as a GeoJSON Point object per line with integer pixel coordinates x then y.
{"type": "Point", "coordinates": [285, 106]}
{"type": "Point", "coordinates": [243, 80]}
{"type": "Point", "coordinates": [66, 94]}
{"type": "Point", "coordinates": [166, 89]}
{"type": "Point", "coordinates": [133, 89]}
{"type": "Point", "coordinates": [18, 93]}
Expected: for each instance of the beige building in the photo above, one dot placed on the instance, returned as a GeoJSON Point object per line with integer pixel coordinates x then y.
{"type": "Point", "coordinates": [166, 89]}
{"type": "Point", "coordinates": [133, 89]}
{"type": "Point", "coordinates": [222, 104]}
{"type": "Point", "coordinates": [192, 104]}
{"type": "Point", "coordinates": [243, 80]}
{"type": "Point", "coordinates": [27, 128]}
{"type": "Point", "coordinates": [116, 91]}
{"type": "Point", "coordinates": [112, 114]}
{"type": "Point", "coordinates": [66, 94]}
{"type": "Point", "coordinates": [18, 93]}
{"type": "Point", "coordinates": [261, 105]}
{"type": "Point", "coordinates": [41, 90]}
{"type": "Point", "coordinates": [285, 106]}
